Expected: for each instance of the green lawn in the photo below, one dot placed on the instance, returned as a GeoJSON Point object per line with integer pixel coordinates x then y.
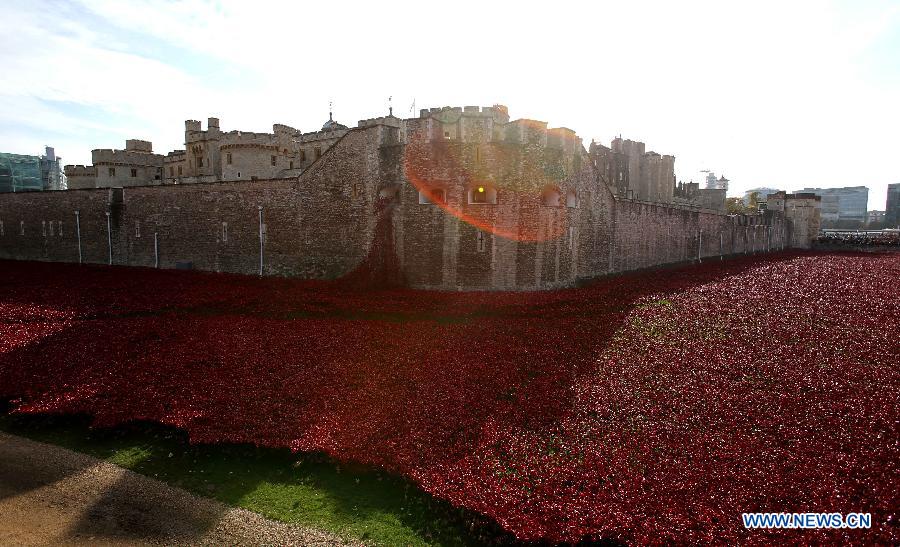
{"type": "Point", "coordinates": [354, 502]}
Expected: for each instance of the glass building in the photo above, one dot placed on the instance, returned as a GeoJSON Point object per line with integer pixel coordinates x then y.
{"type": "Point", "coordinates": [892, 207]}
{"type": "Point", "coordinates": [843, 205]}
{"type": "Point", "coordinates": [24, 173]}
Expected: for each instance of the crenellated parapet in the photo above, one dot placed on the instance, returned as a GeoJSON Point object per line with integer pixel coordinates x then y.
{"type": "Point", "coordinates": [316, 136]}
{"type": "Point", "coordinates": [107, 156]}
{"type": "Point", "coordinates": [389, 121]}
{"type": "Point", "coordinates": [138, 145]}
{"type": "Point", "coordinates": [80, 171]}
{"type": "Point", "coordinates": [473, 124]}
{"type": "Point", "coordinates": [451, 114]}
{"type": "Point", "coordinates": [281, 130]}
{"type": "Point", "coordinates": [634, 173]}
{"type": "Point", "coordinates": [80, 176]}
{"type": "Point", "coordinates": [234, 139]}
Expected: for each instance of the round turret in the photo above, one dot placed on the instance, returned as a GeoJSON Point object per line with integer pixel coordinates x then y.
{"type": "Point", "coordinates": [332, 125]}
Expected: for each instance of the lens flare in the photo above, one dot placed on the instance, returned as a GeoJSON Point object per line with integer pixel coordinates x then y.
{"type": "Point", "coordinates": [520, 216]}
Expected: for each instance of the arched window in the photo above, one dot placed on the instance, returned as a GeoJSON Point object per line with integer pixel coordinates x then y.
{"type": "Point", "coordinates": [432, 195]}
{"type": "Point", "coordinates": [571, 199]}
{"type": "Point", "coordinates": [550, 196]}
{"type": "Point", "coordinates": [482, 194]}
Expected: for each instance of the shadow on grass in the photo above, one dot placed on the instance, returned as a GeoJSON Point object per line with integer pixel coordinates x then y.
{"type": "Point", "coordinates": [353, 501]}
{"type": "Point", "coordinates": [308, 489]}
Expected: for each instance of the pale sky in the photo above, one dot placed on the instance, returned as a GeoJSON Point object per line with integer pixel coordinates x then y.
{"type": "Point", "coordinates": [785, 94]}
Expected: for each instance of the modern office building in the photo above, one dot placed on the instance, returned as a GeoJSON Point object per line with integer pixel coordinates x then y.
{"type": "Point", "coordinates": [25, 173]}
{"type": "Point", "coordinates": [892, 207]}
{"type": "Point", "coordinates": [843, 207]}
{"type": "Point", "coordinates": [875, 218]}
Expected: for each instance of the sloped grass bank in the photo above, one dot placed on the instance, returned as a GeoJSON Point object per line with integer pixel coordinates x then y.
{"type": "Point", "coordinates": [355, 502]}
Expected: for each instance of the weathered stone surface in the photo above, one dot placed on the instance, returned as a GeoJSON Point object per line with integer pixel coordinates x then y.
{"type": "Point", "coordinates": [466, 199]}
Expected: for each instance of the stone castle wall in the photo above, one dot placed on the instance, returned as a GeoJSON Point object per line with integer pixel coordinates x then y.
{"type": "Point", "coordinates": [316, 226]}
{"type": "Point", "coordinates": [547, 218]}
{"type": "Point", "coordinates": [520, 242]}
{"type": "Point", "coordinates": [651, 234]}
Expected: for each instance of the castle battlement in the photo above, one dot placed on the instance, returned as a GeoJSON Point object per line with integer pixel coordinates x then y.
{"type": "Point", "coordinates": [138, 145]}
{"type": "Point", "coordinates": [109, 156]}
{"type": "Point", "coordinates": [474, 124]}
{"type": "Point", "coordinates": [498, 112]}
{"type": "Point", "coordinates": [80, 171]}
{"type": "Point", "coordinates": [320, 136]}
{"type": "Point", "coordinates": [563, 138]}
{"type": "Point", "coordinates": [259, 145]}
{"type": "Point", "coordinates": [469, 202]}
{"type": "Point", "coordinates": [281, 129]}
{"type": "Point", "coordinates": [389, 121]}
{"type": "Point", "coordinates": [246, 137]}
{"type": "Point", "coordinates": [193, 130]}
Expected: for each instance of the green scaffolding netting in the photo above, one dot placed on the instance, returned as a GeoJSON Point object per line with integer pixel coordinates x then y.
{"type": "Point", "coordinates": [20, 173]}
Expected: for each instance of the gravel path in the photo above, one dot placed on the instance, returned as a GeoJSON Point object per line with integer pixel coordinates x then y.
{"type": "Point", "coordinates": [53, 496]}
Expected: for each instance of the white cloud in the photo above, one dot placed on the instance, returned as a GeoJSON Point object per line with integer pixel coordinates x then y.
{"type": "Point", "coordinates": [770, 93]}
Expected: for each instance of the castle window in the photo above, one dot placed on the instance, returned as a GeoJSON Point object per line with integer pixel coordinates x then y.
{"type": "Point", "coordinates": [355, 191]}
{"type": "Point", "coordinates": [239, 174]}
{"type": "Point", "coordinates": [274, 160]}
{"type": "Point", "coordinates": [482, 195]}
{"type": "Point", "coordinates": [133, 173]}
{"type": "Point", "coordinates": [550, 196]}
{"type": "Point", "coordinates": [51, 228]}
{"type": "Point", "coordinates": [291, 164]}
{"type": "Point", "coordinates": [303, 155]}
{"type": "Point", "coordinates": [199, 162]}
{"type": "Point", "coordinates": [224, 232]}
{"type": "Point", "coordinates": [318, 152]}
{"type": "Point", "coordinates": [432, 195]}
{"type": "Point", "coordinates": [58, 226]}
{"type": "Point", "coordinates": [571, 237]}
{"type": "Point", "coordinates": [171, 171]}
{"type": "Point", "coordinates": [1, 228]}
{"type": "Point", "coordinates": [571, 199]}
{"type": "Point", "coordinates": [137, 228]}
{"type": "Point", "coordinates": [479, 241]}
{"type": "Point", "coordinates": [21, 227]}
{"type": "Point", "coordinates": [179, 170]}
{"type": "Point", "coordinates": [446, 134]}
{"type": "Point", "coordinates": [228, 158]}
{"type": "Point", "coordinates": [478, 155]}
{"type": "Point", "coordinates": [112, 171]}
{"type": "Point", "coordinates": [44, 228]}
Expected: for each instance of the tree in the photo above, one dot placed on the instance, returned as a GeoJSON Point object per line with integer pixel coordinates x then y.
{"type": "Point", "coordinates": [735, 206]}
{"type": "Point", "coordinates": [753, 201]}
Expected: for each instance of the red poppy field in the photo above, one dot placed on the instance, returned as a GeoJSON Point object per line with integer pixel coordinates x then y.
{"type": "Point", "coordinates": [649, 407]}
